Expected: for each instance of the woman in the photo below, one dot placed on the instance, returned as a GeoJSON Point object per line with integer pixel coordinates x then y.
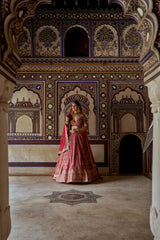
{"type": "Point", "coordinates": [75, 158]}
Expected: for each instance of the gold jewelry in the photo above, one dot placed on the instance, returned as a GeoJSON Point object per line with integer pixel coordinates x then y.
{"type": "Point", "coordinates": [76, 113]}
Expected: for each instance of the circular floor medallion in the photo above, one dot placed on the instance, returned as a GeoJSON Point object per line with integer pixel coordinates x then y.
{"type": "Point", "coordinates": [72, 197]}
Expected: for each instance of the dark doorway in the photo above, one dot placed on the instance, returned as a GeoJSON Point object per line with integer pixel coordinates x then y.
{"type": "Point", "coordinates": [76, 43]}
{"type": "Point", "coordinates": [130, 155]}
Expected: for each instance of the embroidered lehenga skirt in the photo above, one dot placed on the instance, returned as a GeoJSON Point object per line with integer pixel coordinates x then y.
{"type": "Point", "coordinates": [77, 163]}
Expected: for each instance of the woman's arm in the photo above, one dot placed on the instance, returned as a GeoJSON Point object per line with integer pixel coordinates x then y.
{"type": "Point", "coordinates": [67, 121]}
{"type": "Point", "coordinates": [84, 128]}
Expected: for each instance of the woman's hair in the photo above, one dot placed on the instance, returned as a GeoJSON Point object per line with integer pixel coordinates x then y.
{"type": "Point", "coordinates": [78, 104]}
{"type": "Point", "coordinates": [69, 115]}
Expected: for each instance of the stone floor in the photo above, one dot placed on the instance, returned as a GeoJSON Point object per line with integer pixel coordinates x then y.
{"type": "Point", "coordinates": [121, 213]}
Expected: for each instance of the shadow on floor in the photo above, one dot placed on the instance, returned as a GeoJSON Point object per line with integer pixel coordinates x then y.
{"type": "Point", "coordinates": [105, 179]}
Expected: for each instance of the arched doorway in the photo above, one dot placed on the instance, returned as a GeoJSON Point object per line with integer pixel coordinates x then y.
{"type": "Point", "coordinates": [130, 155]}
{"type": "Point", "coordinates": [76, 43]}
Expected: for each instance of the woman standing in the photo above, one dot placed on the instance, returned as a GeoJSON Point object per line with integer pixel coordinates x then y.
{"type": "Point", "coordinates": [75, 158]}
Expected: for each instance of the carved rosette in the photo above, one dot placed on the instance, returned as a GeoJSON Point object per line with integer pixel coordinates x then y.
{"type": "Point", "coordinates": [105, 41]}
{"type": "Point", "coordinates": [155, 222]}
{"type": "Point", "coordinates": [131, 41]}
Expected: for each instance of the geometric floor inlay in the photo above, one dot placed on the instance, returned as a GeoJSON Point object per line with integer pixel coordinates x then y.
{"type": "Point", "coordinates": [72, 197]}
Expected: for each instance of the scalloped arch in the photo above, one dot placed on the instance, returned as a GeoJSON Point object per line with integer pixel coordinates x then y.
{"type": "Point", "coordinates": [75, 25]}
{"type": "Point", "coordinates": [140, 10]}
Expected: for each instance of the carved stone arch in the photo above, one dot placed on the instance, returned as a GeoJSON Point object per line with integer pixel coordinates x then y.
{"type": "Point", "coordinates": [13, 25]}
{"type": "Point", "coordinates": [140, 10]}
{"type": "Point", "coordinates": [149, 35]}
{"type": "Point", "coordinates": [128, 101]}
{"type": "Point", "coordinates": [91, 115]}
{"type": "Point", "coordinates": [128, 122]}
{"type": "Point", "coordinates": [140, 136]}
{"type": "Point", "coordinates": [137, 8]}
{"type": "Point", "coordinates": [76, 44]}
{"type": "Point", "coordinates": [26, 102]}
{"type": "Point", "coordinates": [76, 25]}
{"type": "Point", "coordinates": [24, 43]}
{"type": "Point", "coordinates": [29, 90]}
{"type": "Point", "coordinates": [128, 91]}
{"type": "Point", "coordinates": [115, 145]}
{"type": "Point", "coordinates": [25, 90]}
{"type": "Point", "coordinates": [24, 124]}
{"type": "Point", "coordinates": [77, 97]}
{"type": "Point", "coordinates": [124, 113]}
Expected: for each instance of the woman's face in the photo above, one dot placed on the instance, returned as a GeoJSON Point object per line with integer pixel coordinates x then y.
{"type": "Point", "coordinates": [74, 107]}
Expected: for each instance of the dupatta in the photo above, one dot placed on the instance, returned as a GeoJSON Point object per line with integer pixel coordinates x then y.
{"type": "Point", "coordinates": [64, 144]}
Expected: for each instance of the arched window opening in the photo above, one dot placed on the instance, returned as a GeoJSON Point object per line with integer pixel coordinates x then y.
{"type": "Point", "coordinates": [76, 43]}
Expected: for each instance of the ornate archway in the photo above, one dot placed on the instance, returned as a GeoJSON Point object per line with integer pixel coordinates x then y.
{"type": "Point", "coordinates": [14, 14]}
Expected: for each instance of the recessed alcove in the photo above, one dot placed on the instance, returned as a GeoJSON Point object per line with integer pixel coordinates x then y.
{"type": "Point", "coordinates": [76, 43]}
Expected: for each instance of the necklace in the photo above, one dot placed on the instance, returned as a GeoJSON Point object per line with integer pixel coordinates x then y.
{"type": "Point", "coordinates": [76, 113]}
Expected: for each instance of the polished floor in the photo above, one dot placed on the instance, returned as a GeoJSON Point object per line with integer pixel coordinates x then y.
{"type": "Point", "coordinates": [121, 213]}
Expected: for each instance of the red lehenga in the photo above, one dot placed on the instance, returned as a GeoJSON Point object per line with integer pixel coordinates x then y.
{"type": "Point", "coordinates": [75, 158]}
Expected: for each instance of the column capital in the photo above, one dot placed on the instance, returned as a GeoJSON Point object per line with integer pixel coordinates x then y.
{"type": "Point", "coordinates": [155, 107]}
{"type": "Point", "coordinates": [154, 90]}
{"type": "Point", "coordinates": [155, 221]}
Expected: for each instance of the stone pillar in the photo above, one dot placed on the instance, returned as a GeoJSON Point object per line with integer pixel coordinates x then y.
{"type": "Point", "coordinates": [6, 90]}
{"type": "Point", "coordinates": [154, 95]}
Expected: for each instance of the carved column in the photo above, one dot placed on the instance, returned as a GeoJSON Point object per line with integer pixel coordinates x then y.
{"type": "Point", "coordinates": [6, 90]}
{"type": "Point", "coordinates": [154, 95]}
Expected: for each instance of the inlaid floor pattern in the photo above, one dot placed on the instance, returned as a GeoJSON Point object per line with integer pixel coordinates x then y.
{"type": "Point", "coordinates": [118, 209]}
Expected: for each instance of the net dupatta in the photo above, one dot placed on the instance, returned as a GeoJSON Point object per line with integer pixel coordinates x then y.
{"type": "Point", "coordinates": [64, 145]}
